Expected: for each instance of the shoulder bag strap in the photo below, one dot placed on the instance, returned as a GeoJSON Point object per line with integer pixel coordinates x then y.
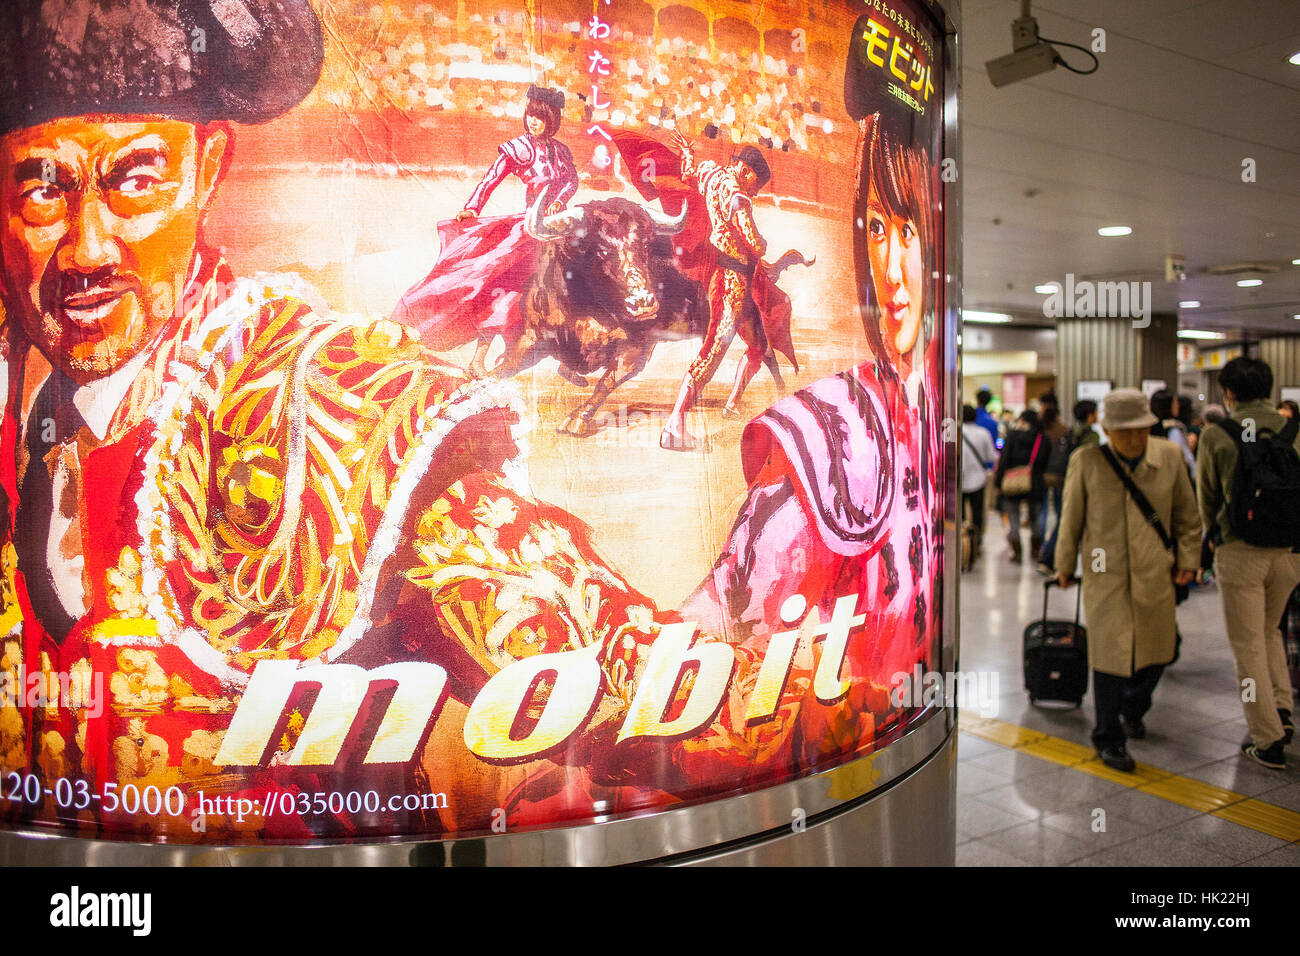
{"type": "Point", "coordinates": [971, 445]}
{"type": "Point", "coordinates": [1139, 499]}
{"type": "Point", "coordinates": [1233, 428]}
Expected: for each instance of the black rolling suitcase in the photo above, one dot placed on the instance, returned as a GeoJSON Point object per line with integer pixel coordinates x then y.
{"type": "Point", "coordinates": [1056, 656]}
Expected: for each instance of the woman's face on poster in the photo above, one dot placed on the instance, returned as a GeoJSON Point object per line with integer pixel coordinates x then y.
{"type": "Point", "coordinates": [897, 272]}
{"type": "Point", "coordinates": [536, 125]}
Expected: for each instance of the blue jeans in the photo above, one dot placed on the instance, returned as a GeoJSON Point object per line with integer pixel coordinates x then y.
{"type": "Point", "coordinates": [1047, 555]}
{"type": "Point", "coordinates": [1011, 508]}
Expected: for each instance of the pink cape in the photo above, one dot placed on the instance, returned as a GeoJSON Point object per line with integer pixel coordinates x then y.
{"type": "Point", "coordinates": [475, 285]}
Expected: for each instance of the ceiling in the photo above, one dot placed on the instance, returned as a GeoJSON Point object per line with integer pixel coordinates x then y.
{"type": "Point", "coordinates": [1155, 139]}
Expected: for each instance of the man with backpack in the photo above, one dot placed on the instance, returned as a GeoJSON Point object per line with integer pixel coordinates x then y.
{"type": "Point", "coordinates": [1248, 484]}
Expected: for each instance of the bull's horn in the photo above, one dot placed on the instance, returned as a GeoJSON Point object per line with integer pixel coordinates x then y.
{"type": "Point", "coordinates": [551, 227]}
{"type": "Point", "coordinates": [564, 222]}
{"type": "Point", "coordinates": [666, 225]}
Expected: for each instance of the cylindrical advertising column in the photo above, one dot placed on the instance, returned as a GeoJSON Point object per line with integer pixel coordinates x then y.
{"type": "Point", "coordinates": [478, 432]}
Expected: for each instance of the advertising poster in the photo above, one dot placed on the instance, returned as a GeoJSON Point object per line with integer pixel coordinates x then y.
{"type": "Point", "coordinates": [453, 418]}
{"type": "Point", "coordinates": [1013, 391]}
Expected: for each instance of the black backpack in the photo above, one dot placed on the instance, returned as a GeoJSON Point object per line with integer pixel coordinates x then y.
{"type": "Point", "coordinates": [1058, 456]}
{"type": "Point", "coordinates": [1265, 506]}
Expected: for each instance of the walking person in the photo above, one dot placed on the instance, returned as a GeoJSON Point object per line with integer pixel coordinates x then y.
{"type": "Point", "coordinates": [1019, 481]}
{"type": "Point", "coordinates": [1186, 415]}
{"type": "Point", "coordinates": [983, 418]}
{"type": "Point", "coordinates": [978, 455]}
{"type": "Point", "coordinates": [1084, 431]}
{"type": "Point", "coordinates": [1081, 435]}
{"type": "Point", "coordinates": [1248, 482]}
{"type": "Point", "coordinates": [1129, 508]}
{"type": "Point", "coordinates": [1165, 406]}
{"type": "Point", "coordinates": [1056, 437]}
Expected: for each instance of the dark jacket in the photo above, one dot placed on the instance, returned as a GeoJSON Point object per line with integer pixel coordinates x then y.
{"type": "Point", "coordinates": [1018, 451]}
{"type": "Point", "coordinates": [1055, 439]}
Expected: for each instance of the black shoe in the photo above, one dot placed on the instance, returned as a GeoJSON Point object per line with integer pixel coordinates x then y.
{"type": "Point", "coordinates": [1288, 727]}
{"type": "Point", "coordinates": [1117, 758]}
{"type": "Point", "coordinates": [1270, 757]}
{"type": "Point", "coordinates": [1133, 729]}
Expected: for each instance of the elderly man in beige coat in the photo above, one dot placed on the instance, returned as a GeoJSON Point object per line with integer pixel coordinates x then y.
{"type": "Point", "coordinates": [1130, 562]}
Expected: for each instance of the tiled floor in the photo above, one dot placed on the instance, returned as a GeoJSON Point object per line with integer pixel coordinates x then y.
{"type": "Point", "coordinates": [1016, 809]}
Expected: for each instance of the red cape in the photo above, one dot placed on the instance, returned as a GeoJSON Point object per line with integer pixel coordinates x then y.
{"type": "Point", "coordinates": [656, 172]}
{"type": "Point", "coordinates": [475, 285]}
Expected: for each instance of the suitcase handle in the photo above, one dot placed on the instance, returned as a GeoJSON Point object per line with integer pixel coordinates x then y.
{"type": "Point", "coordinates": [1078, 600]}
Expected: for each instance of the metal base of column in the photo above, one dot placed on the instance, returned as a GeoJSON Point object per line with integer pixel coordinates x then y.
{"type": "Point", "coordinates": [913, 823]}
{"type": "Point", "coordinates": [893, 807]}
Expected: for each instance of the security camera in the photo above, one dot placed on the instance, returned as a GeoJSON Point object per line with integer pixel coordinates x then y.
{"type": "Point", "coordinates": [1030, 56]}
{"type": "Point", "coordinates": [1022, 64]}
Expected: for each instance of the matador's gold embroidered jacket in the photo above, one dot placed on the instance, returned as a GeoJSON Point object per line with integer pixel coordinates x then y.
{"type": "Point", "coordinates": [280, 484]}
{"type": "Point", "coordinates": [733, 231]}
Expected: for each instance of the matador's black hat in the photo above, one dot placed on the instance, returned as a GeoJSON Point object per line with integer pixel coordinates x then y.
{"type": "Point", "coordinates": [751, 157]}
{"type": "Point", "coordinates": [195, 60]}
{"type": "Point", "coordinates": [547, 95]}
{"type": "Point", "coordinates": [910, 106]}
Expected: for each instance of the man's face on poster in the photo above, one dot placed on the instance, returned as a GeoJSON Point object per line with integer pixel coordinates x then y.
{"type": "Point", "coordinates": [99, 218]}
{"type": "Point", "coordinates": [746, 177]}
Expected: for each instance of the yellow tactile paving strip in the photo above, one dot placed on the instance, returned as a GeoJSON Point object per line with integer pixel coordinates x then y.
{"type": "Point", "coordinates": [1235, 807]}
